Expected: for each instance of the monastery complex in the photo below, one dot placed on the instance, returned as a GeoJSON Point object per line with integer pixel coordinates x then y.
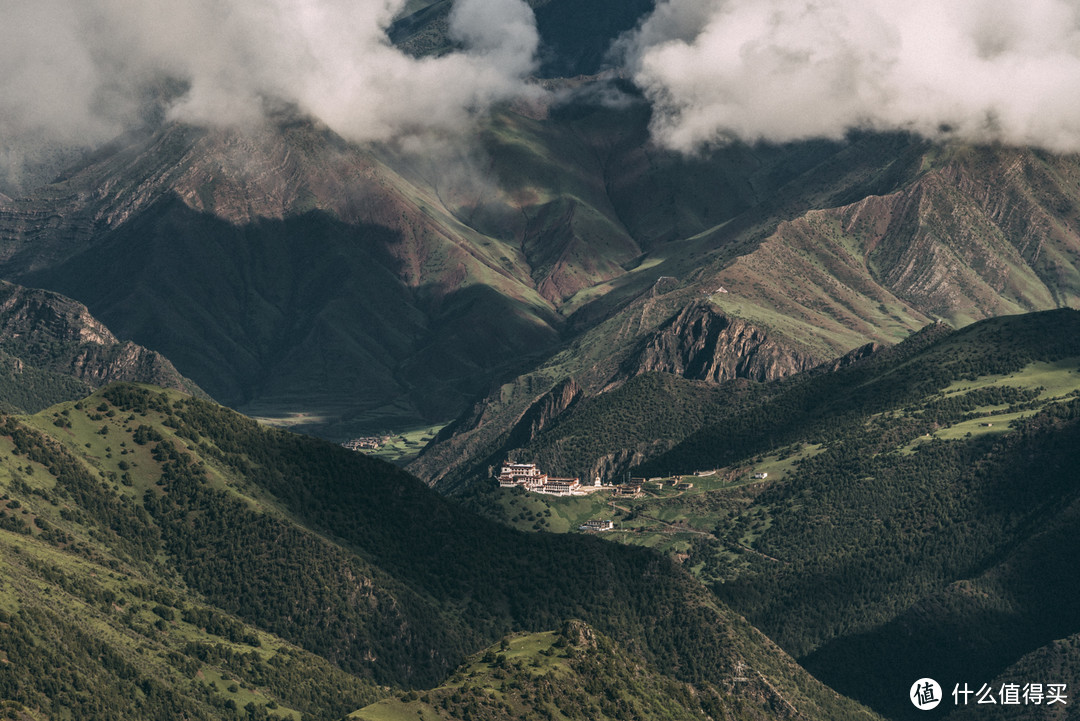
{"type": "Point", "coordinates": [529, 477]}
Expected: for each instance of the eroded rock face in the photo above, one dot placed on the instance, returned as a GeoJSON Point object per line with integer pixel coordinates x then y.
{"type": "Point", "coordinates": [701, 343]}
{"type": "Point", "coordinates": [543, 411]}
{"type": "Point", "coordinates": [52, 332]}
{"type": "Point", "coordinates": [35, 317]}
{"type": "Point", "coordinates": [615, 465]}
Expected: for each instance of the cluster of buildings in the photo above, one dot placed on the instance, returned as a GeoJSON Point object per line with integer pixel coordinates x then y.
{"type": "Point", "coordinates": [368, 443]}
{"type": "Point", "coordinates": [529, 477]}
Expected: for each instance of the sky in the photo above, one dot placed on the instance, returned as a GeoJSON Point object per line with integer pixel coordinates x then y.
{"type": "Point", "coordinates": [74, 73]}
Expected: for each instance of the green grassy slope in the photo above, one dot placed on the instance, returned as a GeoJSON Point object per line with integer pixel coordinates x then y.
{"type": "Point", "coordinates": [575, 673]}
{"type": "Point", "coordinates": [95, 623]}
{"type": "Point", "coordinates": [290, 565]}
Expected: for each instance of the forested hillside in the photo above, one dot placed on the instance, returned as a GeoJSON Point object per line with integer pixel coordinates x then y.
{"type": "Point", "coordinates": [572, 673]}
{"type": "Point", "coordinates": [860, 514]}
{"type": "Point", "coordinates": [229, 554]}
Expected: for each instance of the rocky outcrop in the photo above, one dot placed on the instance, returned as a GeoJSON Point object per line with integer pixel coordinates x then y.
{"type": "Point", "coordinates": [53, 333]}
{"type": "Point", "coordinates": [35, 318]}
{"type": "Point", "coordinates": [611, 466]}
{"type": "Point", "coordinates": [850, 358]}
{"type": "Point", "coordinates": [543, 411]}
{"type": "Point", "coordinates": [701, 343]}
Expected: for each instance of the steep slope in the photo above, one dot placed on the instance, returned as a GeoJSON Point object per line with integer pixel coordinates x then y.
{"type": "Point", "coordinates": [85, 640]}
{"type": "Point", "coordinates": [996, 543]}
{"type": "Point", "coordinates": [346, 558]}
{"type": "Point", "coordinates": [367, 288]}
{"type": "Point", "coordinates": [901, 235]}
{"type": "Point", "coordinates": [694, 214]}
{"type": "Point", "coordinates": [52, 349]}
{"type": "Point", "coordinates": [1054, 663]}
{"type": "Point", "coordinates": [274, 264]}
{"type": "Point", "coordinates": [701, 344]}
{"type": "Point", "coordinates": [908, 511]}
{"type": "Point", "coordinates": [987, 231]}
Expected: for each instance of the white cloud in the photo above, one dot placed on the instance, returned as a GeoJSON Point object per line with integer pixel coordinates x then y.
{"type": "Point", "coordinates": [77, 71]}
{"type": "Point", "coordinates": [780, 70]}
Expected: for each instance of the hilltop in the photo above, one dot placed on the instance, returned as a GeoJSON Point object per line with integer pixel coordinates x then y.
{"type": "Point", "coordinates": [573, 673]}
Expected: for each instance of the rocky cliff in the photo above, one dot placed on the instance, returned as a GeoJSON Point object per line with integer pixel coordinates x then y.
{"type": "Point", "coordinates": [850, 358]}
{"type": "Point", "coordinates": [54, 334]}
{"type": "Point", "coordinates": [543, 412]}
{"type": "Point", "coordinates": [701, 343]}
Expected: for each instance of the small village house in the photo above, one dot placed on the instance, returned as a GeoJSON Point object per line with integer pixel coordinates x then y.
{"type": "Point", "coordinates": [594, 524]}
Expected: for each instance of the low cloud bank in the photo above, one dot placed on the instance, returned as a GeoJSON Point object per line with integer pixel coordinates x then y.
{"type": "Point", "coordinates": [782, 70]}
{"type": "Point", "coordinates": [78, 72]}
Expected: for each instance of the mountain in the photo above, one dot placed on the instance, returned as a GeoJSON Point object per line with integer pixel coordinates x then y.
{"type": "Point", "coordinates": [575, 36]}
{"type": "Point", "coordinates": [185, 561]}
{"type": "Point", "coordinates": [888, 518]}
{"type": "Point", "coordinates": [357, 289]}
{"type": "Point", "coordinates": [845, 370]}
{"type": "Point", "coordinates": [955, 234]}
{"type": "Point", "coordinates": [52, 349]}
{"type": "Point", "coordinates": [259, 267]}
